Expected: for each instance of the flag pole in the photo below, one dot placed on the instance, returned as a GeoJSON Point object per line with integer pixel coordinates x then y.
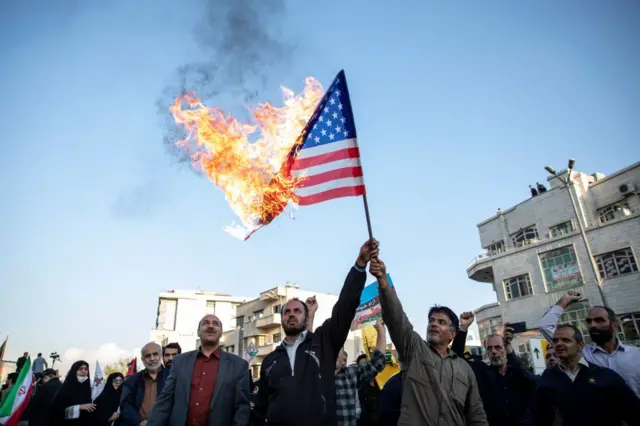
{"type": "Point", "coordinates": [366, 213]}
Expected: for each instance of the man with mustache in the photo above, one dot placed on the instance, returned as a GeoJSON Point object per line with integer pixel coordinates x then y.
{"type": "Point", "coordinates": [606, 350]}
{"type": "Point", "coordinates": [296, 384]}
{"type": "Point", "coordinates": [207, 387]}
{"type": "Point", "coordinates": [140, 391]}
{"type": "Point", "coordinates": [439, 386]}
{"type": "Point", "coordinates": [577, 392]}
{"type": "Point", "coordinates": [505, 385]}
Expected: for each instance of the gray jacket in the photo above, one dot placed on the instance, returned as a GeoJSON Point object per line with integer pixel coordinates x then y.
{"type": "Point", "coordinates": [230, 401]}
{"type": "Point", "coordinates": [437, 391]}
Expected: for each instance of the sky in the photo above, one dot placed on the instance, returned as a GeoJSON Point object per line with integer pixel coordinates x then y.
{"type": "Point", "coordinates": [458, 108]}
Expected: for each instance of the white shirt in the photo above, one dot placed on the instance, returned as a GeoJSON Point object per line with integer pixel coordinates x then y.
{"type": "Point", "coordinates": [574, 373]}
{"type": "Point", "coordinates": [292, 348]}
{"type": "Point", "coordinates": [624, 360]}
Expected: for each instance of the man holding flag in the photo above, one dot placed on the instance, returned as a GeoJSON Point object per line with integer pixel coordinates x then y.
{"type": "Point", "coordinates": [18, 398]}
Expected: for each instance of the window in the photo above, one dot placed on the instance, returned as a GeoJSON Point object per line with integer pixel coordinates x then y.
{"type": "Point", "coordinates": [255, 372]}
{"type": "Point", "coordinates": [524, 236]}
{"type": "Point", "coordinates": [613, 211]}
{"type": "Point", "coordinates": [563, 228]}
{"type": "Point", "coordinates": [495, 248]}
{"type": "Point", "coordinates": [614, 263]}
{"type": "Point", "coordinates": [490, 326]}
{"type": "Point", "coordinates": [231, 349]}
{"type": "Point", "coordinates": [167, 309]}
{"type": "Point", "coordinates": [519, 286]}
{"type": "Point", "coordinates": [560, 268]}
{"type": "Point", "coordinates": [277, 338]}
{"type": "Point", "coordinates": [630, 328]}
{"type": "Point", "coordinates": [276, 309]}
{"type": "Point", "coordinates": [239, 321]}
{"type": "Point", "coordinates": [575, 315]}
{"type": "Point", "coordinates": [211, 307]}
{"type": "Point", "coordinates": [258, 314]}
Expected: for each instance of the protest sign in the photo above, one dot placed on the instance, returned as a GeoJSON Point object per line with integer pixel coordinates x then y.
{"type": "Point", "coordinates": [369, 310]}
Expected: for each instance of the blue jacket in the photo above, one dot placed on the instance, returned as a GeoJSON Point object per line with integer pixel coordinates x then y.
{"type": "Point", "coordinates": [597, 397]}
{"type": "Point", "coordinates": [132, 395]}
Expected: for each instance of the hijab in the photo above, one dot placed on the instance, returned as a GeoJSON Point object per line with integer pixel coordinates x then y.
{"type": "Point", "coordinates": [107, 402]}
{"type": "Point", "coordinates": [71, 393]}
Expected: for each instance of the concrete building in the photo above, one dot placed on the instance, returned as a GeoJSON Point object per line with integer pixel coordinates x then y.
{"type": "Point", "coordinates": [179, 312]}
{"type": "Point", "coordinates": [535, 253]}
{"type": "Point", "coordinates": [258, 321]}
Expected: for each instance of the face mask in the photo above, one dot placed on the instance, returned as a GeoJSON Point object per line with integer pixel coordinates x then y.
{"type": "Point", "coordinates": [82, 379]}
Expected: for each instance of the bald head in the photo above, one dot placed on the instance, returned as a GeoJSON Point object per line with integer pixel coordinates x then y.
{"type": "Point", "coordinates": [151, 354]}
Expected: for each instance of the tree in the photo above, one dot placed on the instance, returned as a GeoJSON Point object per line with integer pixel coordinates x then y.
{"type": "Point", "coordinates": [120, 366]}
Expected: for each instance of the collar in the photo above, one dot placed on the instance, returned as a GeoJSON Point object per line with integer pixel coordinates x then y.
{"type": "Point", "coordinates": [581, 362]}
{"type": "Point", "coordinates": [619, 347]}
{"type": "Point", "coordinates": [300, 338]}
{"type": "Point", "coordinates": [450, 353]}
{"type": "Point", "coordinates": [215, 353]}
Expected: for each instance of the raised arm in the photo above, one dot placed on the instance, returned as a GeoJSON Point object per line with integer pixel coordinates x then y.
{"type": "Point", "coordinates": [549, 321]}
{"type": "Point", "coordinates": [338, 325]}
{"type": "Point", "coordinates": [370, 369]}
{"type": "Point", "coordinates": [405, 339]}
{"type": "Point", "coordinates": [460, 341]}
{"type": "Point", "coordinates": [312, 305]}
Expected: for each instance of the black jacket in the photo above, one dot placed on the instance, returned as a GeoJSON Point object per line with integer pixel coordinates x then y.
{"type": "Point", "coordinates": [41, 404]}
{"type": "Point", "coordinates": [308, 396]}
{"type": "Point", "coordinates": [506, 399]}
{"type": "Point", "coordinates": [133, 394]}
{"type": "Point", "coordinates": [597, 397]}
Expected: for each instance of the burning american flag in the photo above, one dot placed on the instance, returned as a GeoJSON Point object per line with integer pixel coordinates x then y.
{"type": "Point", "coordinates": [297, 160]}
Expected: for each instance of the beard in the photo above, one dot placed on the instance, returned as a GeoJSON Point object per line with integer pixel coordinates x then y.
{"type": "Point", "coordinates": [600, 337]}
{"type": "Point", "coordinates": [497, 361]}
{"type": "Point", "coordinates": [294, 330]}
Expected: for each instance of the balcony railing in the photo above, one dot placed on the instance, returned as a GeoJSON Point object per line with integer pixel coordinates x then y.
{"type": "Point", "coordinates": [268, 321]}
{"type": "Point", "coordinates": [267, 349]}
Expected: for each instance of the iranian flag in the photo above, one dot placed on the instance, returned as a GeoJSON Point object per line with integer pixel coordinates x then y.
{"type": "Point", "coordinates": [18, 398]}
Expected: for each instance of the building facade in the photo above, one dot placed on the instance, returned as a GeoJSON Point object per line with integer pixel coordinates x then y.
{"type": "Point", "coordinates": [535, 253]}
{"type": "Point", "coordinates": [258, 322]}
{"type": "Point", "coordinates": [179, 312]}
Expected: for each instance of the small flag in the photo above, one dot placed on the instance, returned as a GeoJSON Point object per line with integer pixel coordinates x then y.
{"type": "Point", "coordinates": [132, 367]}
{"type": "Point", "coordinates": [98, 382]}
{"type": "Point", "coordinates": [326, 156]}
{"type": "Point", "coordinates": [2, 349]}
{"type": "Point", "coordinates": [18, 398]}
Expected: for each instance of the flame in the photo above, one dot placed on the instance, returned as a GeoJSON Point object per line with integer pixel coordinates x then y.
{"type": "Point", "coordinates": [253, 175]}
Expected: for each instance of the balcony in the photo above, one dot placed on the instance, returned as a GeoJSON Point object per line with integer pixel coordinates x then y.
{"type": "Point", "coordinates": [268, 321]}
{"type": "Point", "coordinates": [273, 294]}
{"type": "Point", "coordinates": [267, 349]}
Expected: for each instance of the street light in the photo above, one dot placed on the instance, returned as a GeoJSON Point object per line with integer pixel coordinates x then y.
{"type": "Point", "coordinates": [567, 184]}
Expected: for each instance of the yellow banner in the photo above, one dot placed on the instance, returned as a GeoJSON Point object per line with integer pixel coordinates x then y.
{"type": "Point", "coordinates": [369, 337]}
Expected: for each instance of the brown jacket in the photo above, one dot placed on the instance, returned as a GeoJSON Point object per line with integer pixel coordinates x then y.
{"type": "Point", "coordinates": [437, 391]}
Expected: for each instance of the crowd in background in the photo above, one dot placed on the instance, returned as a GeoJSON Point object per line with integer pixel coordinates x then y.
{"type": "Point", "coordinates": [306, 381]}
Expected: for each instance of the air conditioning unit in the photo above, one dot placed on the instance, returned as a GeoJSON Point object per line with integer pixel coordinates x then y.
{"type": "Point", "coordinates": [627, 189]}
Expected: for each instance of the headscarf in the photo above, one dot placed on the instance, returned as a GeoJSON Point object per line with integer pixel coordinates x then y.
{"type": "Point", "coordinates": [107, 402]}
{"type": "Point", "coordinates": [71, 393]}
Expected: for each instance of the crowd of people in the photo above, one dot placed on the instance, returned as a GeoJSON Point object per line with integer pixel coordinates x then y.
{"type": "Point", "coordinates": [306, 381]}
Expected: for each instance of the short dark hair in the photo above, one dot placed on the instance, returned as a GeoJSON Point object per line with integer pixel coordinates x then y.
{"type": "Point", "coordinates": [304, 306]}
{"type": "Point", "coordinates": [39, 353]}
{"type": "Point", "coordinates": [610, 313]}
{"type": "Point", "coordinates": [576, 331]}
{"type": "Point", "coordinates": [13, 377]}
{"type": "Point", "coordinates": [455, 322]}
{"type": "Point", "coordinates": [361, 356]}
{"type": "Point", "coordinates": [173, 345]}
